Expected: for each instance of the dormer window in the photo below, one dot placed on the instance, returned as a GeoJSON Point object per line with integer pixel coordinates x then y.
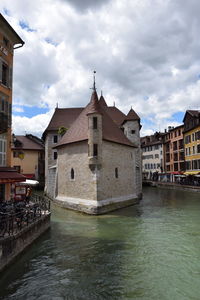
{"type": "Point", "coordinates": [94, 122]}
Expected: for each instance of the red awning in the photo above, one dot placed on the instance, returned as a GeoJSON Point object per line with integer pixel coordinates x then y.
{"type": "Point", "coordinates": [10, 175]}
{"type": "Point", "coordinates": [29, 176]}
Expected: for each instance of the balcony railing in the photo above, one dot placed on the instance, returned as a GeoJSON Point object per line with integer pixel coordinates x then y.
{"type": "Point", "coordinates": [14, 216]}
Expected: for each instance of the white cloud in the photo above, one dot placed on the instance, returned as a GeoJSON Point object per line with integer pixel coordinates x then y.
{"type": "Point", "coordinates": [146, 54]}
{"type": "Point", "coordinates": [35, 125]}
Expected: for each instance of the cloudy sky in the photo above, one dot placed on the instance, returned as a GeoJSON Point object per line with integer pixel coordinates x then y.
{"type": "Point", "coordinates": [146, 54]}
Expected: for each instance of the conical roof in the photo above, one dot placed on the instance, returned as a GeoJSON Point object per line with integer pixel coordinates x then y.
{"type": "Point", "coordinates": [93, 105]}
{"type": "Point", "coordinates": [79, 129]}
{"type": "Point", "coordinates": [132, 115]}
{"type": "Point", "coordinates": [102, 101]}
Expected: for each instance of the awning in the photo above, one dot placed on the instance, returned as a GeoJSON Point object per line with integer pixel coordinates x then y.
{"type": "Point", "coordinates": [29, 176]}
{"type": "Point", "coordinates": [29, 182]}
{"type": "Point", "coordinates": [10, 175]}
{"type": "Point", "coordinates": [191, 172]}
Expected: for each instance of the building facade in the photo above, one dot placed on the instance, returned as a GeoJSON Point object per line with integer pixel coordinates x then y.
{"type": "Point", "coordinates": [28, 156]}
{"type": "Point", "coordinates": [174, 159]}
{"type": "Point", "coordinates": [9, 41]}
{"type": "Point", "coordinates": [152, 156]}
{"type": "Point", "coordinates": [192, 142]}
{"type": "Point", "coordinates": [97, 167]}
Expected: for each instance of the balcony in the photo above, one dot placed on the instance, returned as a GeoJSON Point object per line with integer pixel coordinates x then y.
{"type": "Point", "coordinates": [4, 123]}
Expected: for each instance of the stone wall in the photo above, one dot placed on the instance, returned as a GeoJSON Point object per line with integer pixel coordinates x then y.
{"type": "Point", "coordinates": [50, 177]}
{"type": "Point", "coordinates": [96, 189]}
{"type": "Point", "coordinates": [132, 131]}
{"type": "Point", "coordinates": [123, 158]}
{"type": "Point", "coordinates": [12, 246]}
{"type": "Point", "coordinates": [75, 156]}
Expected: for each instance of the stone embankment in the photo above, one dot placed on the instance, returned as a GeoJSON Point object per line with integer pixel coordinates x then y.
{"type": "Point", "coordinates": [172, 185]}
{"type": "Point", "coordinates": [19, 230]}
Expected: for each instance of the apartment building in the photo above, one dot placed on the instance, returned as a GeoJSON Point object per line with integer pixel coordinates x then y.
{"type": "Point", "coordinates": [152, 156]}
{"type": "Point", "coordinates": [9, 41]}
{"type": "Point", "coordinates": [192, 141]}
{"type": "Point", "coordinates": [174, 160]}
{"type": "Point", "coordinates": [28, 156]}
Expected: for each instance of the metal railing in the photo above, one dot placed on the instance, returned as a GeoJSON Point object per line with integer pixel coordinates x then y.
{"type": "Point", "coordinates": [14, 216]}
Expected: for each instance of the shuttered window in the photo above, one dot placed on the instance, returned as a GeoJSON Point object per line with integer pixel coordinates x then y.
{"type": "Point", "coordinates": [3, 145]}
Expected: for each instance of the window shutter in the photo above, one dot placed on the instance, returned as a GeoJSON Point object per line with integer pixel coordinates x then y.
{"type": "Point", "coordinates": [10, 78]}
{"type": "Point", "coordinates": [1, 65]}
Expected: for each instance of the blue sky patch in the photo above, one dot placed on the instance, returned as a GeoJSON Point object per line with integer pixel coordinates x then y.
{"type": "Point", "coordinates": [29, 111]}
{"type": "Point", "coordinates": [6, 12]}
{"type": "Point", "coordinates": [25, 26]}
{"type": "Point", "coordinates": [178, 117]}
{"type": "Point", "coordinates": [50, 41]}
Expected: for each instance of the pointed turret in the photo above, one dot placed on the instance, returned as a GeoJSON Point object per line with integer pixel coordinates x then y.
{"type": "Point", "coordinates": [132, 115]}
{"type": "Point", "coordinates": [102, 101]}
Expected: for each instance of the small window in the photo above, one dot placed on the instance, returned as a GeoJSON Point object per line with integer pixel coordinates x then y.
{"type": "Point", "coordinates": [55, 139]}
{"type": "Point", "coordinates": [94, 122]}
{"type": "Point", "coordinates": [5, 41]}
{"type": "Point", "coordinates": [95, 149]}
{"type": "Point", "coordinates": [15, 153]}
{"type": "Point", "coordinates": [116, 172]}
{"type": "Point", "coordinates": [55, 155]}
{"type": "Point", "coordinates": [72, 173]}
{"type": "Point", "coordinates": [132, 131]}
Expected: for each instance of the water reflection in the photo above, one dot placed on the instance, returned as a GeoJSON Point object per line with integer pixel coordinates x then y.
{"type": "Point", "coordinates": [147, 251]}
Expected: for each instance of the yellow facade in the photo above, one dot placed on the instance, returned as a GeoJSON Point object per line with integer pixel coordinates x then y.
{"type": "Point", "coordinates": [192, 151]}
{"type": "Point", "coordinates": [28, 163]}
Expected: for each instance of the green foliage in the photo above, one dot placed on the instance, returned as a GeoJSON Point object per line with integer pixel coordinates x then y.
{"type": "Point", "coordinates": [62, 130]}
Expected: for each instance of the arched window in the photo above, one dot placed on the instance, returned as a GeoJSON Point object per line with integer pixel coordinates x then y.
{"type": "Point", "coordinates": [72, 173]}
{"type": "Point", "coordinates": [116, 172]}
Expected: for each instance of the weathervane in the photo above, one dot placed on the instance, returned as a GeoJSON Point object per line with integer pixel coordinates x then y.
{"type": "Point", "coordinates": [94, 83]}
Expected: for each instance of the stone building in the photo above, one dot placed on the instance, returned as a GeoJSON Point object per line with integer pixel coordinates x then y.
{"type": "Point", "coordinates": [9, 41]}
{"type": "Point", "coordinates": [95, 166]}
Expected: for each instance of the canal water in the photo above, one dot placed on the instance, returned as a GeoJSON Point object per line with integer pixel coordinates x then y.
{"type": "Point", "coordinates": [147, 251]}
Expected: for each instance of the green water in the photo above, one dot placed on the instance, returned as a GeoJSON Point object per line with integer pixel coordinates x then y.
{"type": "Point", "coordinates": [147, 251]}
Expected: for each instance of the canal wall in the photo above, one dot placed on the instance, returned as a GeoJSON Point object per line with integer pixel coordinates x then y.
{"type": "Point", "coordinates": [93, 207]}
{"type": "Point", "coordinates": [12, 246]}
{"type": "Point", "coordinates": [172, 185]}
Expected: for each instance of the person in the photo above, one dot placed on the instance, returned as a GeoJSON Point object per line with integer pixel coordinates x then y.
{"type": "Point", "coordinates": [28, 194]}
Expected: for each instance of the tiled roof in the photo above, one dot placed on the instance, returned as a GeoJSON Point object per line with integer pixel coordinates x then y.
{"type": "Point", "coordinates": [115, 114]}
{"type": "Point", "coordinates": [194, 113]}
{"type": "Point", "coordinates": [132, 115]}
{"type": "Point", "coordinates": [62, 117]}
{"type": "Point", "coordinates": [102, 101]}
{"type": "Point", "coordinates": [79, 129]}
{"type": "Point", "coordinates": [26, 144]}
